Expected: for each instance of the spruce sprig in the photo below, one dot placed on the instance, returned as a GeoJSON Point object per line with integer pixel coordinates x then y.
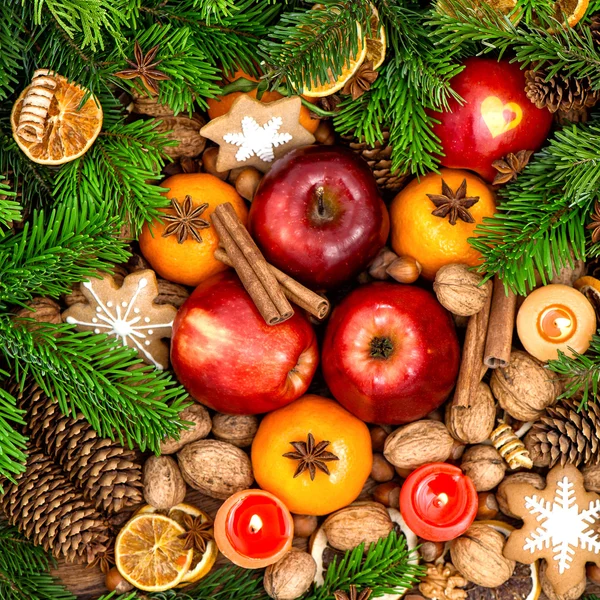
{"type": "Point", "coordinates": [13, 443]}
{"type": "Point", "coordinates": [13, 46]}
{"type": "Point", "coordinates": [10, 210]}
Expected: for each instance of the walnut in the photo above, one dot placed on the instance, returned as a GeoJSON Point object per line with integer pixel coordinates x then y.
{"type": "Point", "coordinates": [537, 481]}
{"type": "Point", "coordinates": [459, 290]}
{"type": "Point", "coordinates": [184, 130]}
{"type": "Point", "coordinates": [443, 582]}
{"type": "Point", "coordinates": [200, 428]}
{"type": "Point", "coordinates": [216, 469]}
{"type": "Point", "coordinates": [164, 486]}
{"type": "Point", "coordinates": [525, 388]}
{"type": "Point", "coordinates": [591, 478]}
{"type": "Point", "coordinates": [291, 576]}
{"type": "Point", "coordinates": [473, 424]}
{"type": "Point", "coordinates": [477, 555]}
{"type": "Point", "coordinates": [42, 310]}
{"type": "Point", "coordinates": [238, 430]}
{"type": "Point", "coordinates": [170, 293]}
{"type": "Point", "coordinates": [417, 444]}
{"type": "Point", "coordinates": [575, 592]}
{"type": "Point", "coordinates": [484, 466]}
{"type": "Point", "coordinates": [363, 522]}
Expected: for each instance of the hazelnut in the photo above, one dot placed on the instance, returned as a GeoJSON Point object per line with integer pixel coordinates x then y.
{"type": "Point", "coordinates": [115, 582]}
{"type": "Point", "coordinates": [234, 174]}
{"type": "Point", "coordinates": [405, 269]}
{"type": "Point", "coordinates": [477, 555]}
{"type": "Point", "coordinates": [378, 268]}
{"type": "Point", "coordinates": [324, 132]}
{"type": "Point", "coordinates": [473, 424]}
{"type": "Point", "coordinates": [591, 478]}
{"type": "Point", "coordinates": [525, 388]}
{"type": "Point", "coordinates": [387, 494]}
{"type": "Point", "coordinates": [209, 162]}
{"type": "Point", "coordinates": [238, 430]}
{"type": "Point", "coordinates": [593, 573]}
{"type": "Point", "coordinates": [537, 481]}
{"type": "Point", "coordinates": [305, 525]}
{"type": "Point", "coordinates": [460, 290]}
{"type": "Point", "coordinates": [381, 471]}
{"type": "Point", "coordinates": [291, 576]}
{"type": "Point", "coordinates": [247, 182]}
{"type": "Point", "coordinates": [484, 466]}
{"type": "Point", "coordinates": [488, 506]}
{"type": "Point", "coordinates": [164, 486]}
{"type": "Point", "coordinates": [378, 437]}
{"type": "Point", "coordinates": [200, 427]}
{"type": "Point", "coordinates": [430, 551]}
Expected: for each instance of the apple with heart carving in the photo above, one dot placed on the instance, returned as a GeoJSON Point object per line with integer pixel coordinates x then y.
{"type": "Point", "coordinates": [495, 119]}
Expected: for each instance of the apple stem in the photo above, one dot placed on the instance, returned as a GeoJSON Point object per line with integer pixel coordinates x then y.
{"type": "Point", "coordinates": [320, 192]}
{"type": "Point", "coordinates": [381, 347]}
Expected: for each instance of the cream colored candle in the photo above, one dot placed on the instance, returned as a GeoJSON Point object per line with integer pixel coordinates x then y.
{"type": "Point", "coordinates": [555, 317]}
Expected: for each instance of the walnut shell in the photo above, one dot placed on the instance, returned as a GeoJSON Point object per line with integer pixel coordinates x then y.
{"type": "Point", "coordinates": [43, 310]}
{"type": "Point", "coordinates": [164, 486]}
{"type": "Point", "coordinates": [459, 290]}
{"type": "Point", "coordinates": [575, 592]}
{"type": "Point", "coordinates": [473, 424]}
{"type": "Point", "coordinates": [238, 430]}
{"type": "Point", "coordinates": [170, 293]}
{"type": "Point", "coordinates": [537, 481]}
{"type": "Point", "coordinates": [217, 469]}
{"type": "Point", "coordinates": [417, 444]}
{"type": "Point", "coordinates": [200, 428]}
{"type": "Point", "coordinates": [291, 576]}
{"type": "Point", "coordinates": [362, 522]}
{"type": "Point", "coordinates": [184, 130]}
{"type": "Point", "coordinates": [149, 105]}
{"type": "Point", "coordinates": [591, 478]}
{"type": "Point", "coordinates": [484, 466]}
{"type": "Point", "coordinates": [525, 388]}
{"type": "Point", "coordinates": [477, 555]}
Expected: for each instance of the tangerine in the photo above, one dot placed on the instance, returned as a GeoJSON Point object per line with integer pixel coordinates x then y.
{"type": "Point", "coordinates": [181, 249]}
{"type": "Point", "coordinates": [339, 443]}
{"type": "Point", "coordinates": [433, 240]}
{"type": "Point", "coordinates": [217, 107]}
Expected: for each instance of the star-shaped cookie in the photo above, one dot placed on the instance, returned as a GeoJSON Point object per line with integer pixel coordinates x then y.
{"type": "Point", "coordinates": [128, 313]}
{"type": "Point", "coordinates": [253, 134]}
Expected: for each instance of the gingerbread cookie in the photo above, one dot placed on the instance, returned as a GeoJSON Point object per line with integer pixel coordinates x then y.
{"type": "Point", "coordinates": [560, 525]}
{"type": "Point", "coordinates": [253, 134]}
{"type": "Point", "coordinates": [128, 313]}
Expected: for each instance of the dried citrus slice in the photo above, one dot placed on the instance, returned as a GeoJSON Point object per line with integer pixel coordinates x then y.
{"type": "Point", "coordinates": [590, 288]}
{"type": "Point", "coordinates": [202, 562]}
{"type": "Point", "coordinates": [376, 40]}
{"type": "Point", "coordinates": [150, 554]}
{"type": "Point", "coordinates": [50, 123]}
{"type": "Point", "coordinates": [573, 10]}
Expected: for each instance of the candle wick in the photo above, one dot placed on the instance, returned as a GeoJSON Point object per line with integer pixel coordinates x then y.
{"type": "Point", "coordinates": [255, 524]}
{"type": "Point", "coordinates": [441, 500]}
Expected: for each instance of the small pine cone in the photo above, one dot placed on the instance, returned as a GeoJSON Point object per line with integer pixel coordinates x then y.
{"type": "Point", "coordinates": [51, 512]}
{"type": "Point", "coordinates": [108, 475]}
{"type": "Point", "coordinates": [559, 92]}
{"type": "Point", "coordinates": [595, 27]}
{"type": "Point", "coordinates": [566, 435]}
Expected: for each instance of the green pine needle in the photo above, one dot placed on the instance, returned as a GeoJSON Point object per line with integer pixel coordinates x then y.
{"type": "Point", "coordinates": [12, 443]}
{"type": "Point", "coordinates": [10, 210]}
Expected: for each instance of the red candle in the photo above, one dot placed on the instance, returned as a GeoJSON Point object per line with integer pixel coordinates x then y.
{"type": "Point", "coordinates": [253, 529]}
{"type": "Point", "coordinates": [438, 502]}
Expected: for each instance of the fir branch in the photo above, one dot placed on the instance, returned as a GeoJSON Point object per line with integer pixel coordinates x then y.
{"type": "Point", "coordinates": [10, 210]}
{"type": "Point", "coordinates": [121, 397]}
{"type": "Point", "coordinates": [13, 443]}
{"type": "Point", "coordinates": [24, 570]}
{"type": "Point", "coordinates": [13, 48]}
{"type": "Point", "coordinates": [51, 254]}
{"type": "Point", "coordinates": [540, 224]}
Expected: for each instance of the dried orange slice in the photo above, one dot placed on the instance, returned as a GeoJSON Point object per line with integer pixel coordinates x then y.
{"type": "Point", "coordinates": [573, 10]}
{"type": "Point", "coordinates": [376, 40]}
{"type": "Point", "coordinates": [202, 562]}
{"type": "Point", "coordinates": [50, 123]}
{"type": "Point", "coordinates": [150, 554]}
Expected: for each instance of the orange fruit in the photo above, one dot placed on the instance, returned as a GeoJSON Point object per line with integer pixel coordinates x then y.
{"type": "Point", "coordinates": [217, 107]}
{"type": "Point", "coordinates": [191, 261]}
{"type": "Point", "coordinates": [149, 553]}
{"type": "Point", "coordinates": [324, 420]}
{"type": "Point", "coordinates": [62, 132]}
{"type": "Point", "coordinates": [433, 241]}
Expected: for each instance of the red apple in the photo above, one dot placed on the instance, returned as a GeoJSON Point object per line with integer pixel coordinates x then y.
{"type": "Point", "coordinates": [317, 215]}
{"type": "Point", "coordinates": [229, 359]}
{"type": "Point", "coordinates": [390, 354]}
{"type": "Point", "coordinates": [496, 118]}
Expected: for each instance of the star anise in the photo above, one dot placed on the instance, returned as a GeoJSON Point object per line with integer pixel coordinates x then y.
{"type": "Point", "coordinates": [353, 594]}
{"type": "Point", "coordinates": [509, 167]}
{"type": "Point", "coordinates": [456, 204]}
{"type": "Point", "coordinates": [197, 534]}
{"type": "Point", "coordinates": [361, 82]}
{"type": "Point", "coordinates": [105, 560]}
{"type": "Point", "coordinates": [311, 456]}
{"type": "Point", "coordinates": [595, 224]}
{"type": "Point", "coordinates": [186, 221]}
{"type": "Point", "coordinates": [145, 69]}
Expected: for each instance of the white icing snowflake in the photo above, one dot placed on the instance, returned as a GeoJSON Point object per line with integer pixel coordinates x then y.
{"type": "Point", "coordinates": [564, 527]}
{"type": "Point", "coordinates": [255, 140]}
{"type": "Point", "coordinates": [124, 321]}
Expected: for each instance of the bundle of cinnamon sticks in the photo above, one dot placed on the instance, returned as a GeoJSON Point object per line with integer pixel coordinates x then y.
{"type": "Point", "coordinates": [271, 290]}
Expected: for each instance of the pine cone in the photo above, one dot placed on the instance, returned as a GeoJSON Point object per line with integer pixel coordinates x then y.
{"type": "Point", "coordinates": [51, 512]}
{"type": "Point", "coordinates": [565, 435]}
{"type": "Point", "coordinates": [595, 27]}
{"type": "Point", "coordinates": [378, 159]}
{"type": "Point", "coordinates": [559, 93]}
{"type": "Point", "coordinates": [108, 475]}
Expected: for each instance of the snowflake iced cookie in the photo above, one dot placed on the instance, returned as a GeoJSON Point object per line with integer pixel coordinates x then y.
{"type": "Point", "coordinates": [253, 134]}
{"type": "Point", "coordinates": [559, 525]}
{"type": "Point", "coordinates": [127, 313]}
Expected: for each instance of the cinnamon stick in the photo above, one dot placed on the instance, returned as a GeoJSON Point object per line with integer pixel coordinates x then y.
{"type": "Point", "coordinates": [472, 368]}
{"type": "Point", "coordinates": [250, 280]}
{"type": "Point", "coordinates": [294, 291]}
{"type": "Point", "coordinates": [500, 327]}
